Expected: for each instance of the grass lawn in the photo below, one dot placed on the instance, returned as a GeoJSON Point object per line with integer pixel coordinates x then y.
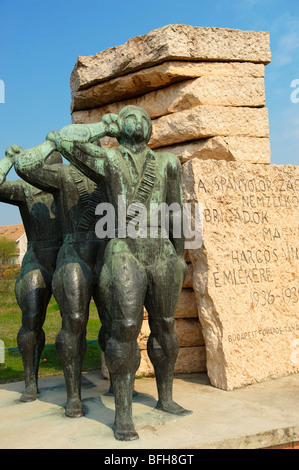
{"type": "Point", "coordinates": [10, 323]}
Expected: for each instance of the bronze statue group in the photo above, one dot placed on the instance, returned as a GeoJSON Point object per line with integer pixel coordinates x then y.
{"type": "Point", "coordinates": [123, 274]}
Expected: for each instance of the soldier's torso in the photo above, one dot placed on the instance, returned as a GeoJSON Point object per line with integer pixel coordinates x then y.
{"type": "Point", "coordinates": [146, 181]}
{"type": "Point", "coordinates": [76, 201]}
{"type": "Point", "coordinates": [40, 216]}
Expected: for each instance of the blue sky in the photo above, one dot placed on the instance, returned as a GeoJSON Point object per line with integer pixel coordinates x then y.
{"type": "Point", "coordinates": [41, 40]}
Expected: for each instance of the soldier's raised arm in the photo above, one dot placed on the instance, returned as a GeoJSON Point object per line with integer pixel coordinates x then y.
{"type": "Point", "coordinates": [107, 126]}
{"type": "Point", "coordinates": [5, 165]}
{"type": "Point", "coordinates": [75, 143]}
{"type": "Point", "coordinates": [11, 192]}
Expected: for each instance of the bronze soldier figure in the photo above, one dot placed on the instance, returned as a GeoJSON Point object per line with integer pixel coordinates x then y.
{"type": "Point", "coordinates": [33, 286]}
{"type": "Point", "coordinates": [137, 271]}
{"type": "Point", "coordinates": [76, 197]}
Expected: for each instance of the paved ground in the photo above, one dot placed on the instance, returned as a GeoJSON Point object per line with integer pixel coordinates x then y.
{"type": "Point", "coordinates": [256, 416]}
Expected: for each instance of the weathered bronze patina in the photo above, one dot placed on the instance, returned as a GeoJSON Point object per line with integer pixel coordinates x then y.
{"type": "Point", "coordinates": [139, 271]}
{"type": "Point", "coordinates": [132, 270]}
{"type": "Point", "coordinates": [76, 197]}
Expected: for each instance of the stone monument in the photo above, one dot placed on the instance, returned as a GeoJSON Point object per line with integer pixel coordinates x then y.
{"type": "Point", "coordinates": [180, 88]}
{"type": "Point", "coordinates": [246, 272]}
{"type": "Point", "coordinates": [204, 91]}
{"type": "Point", "coordinates": [194, 97]}
{"type": "Point", "coordinates": [202, 87]}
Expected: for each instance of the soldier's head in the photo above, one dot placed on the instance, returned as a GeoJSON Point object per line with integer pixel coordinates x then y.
{"type": "Point", "coordinates": [54, 158]}
{"type": "Point", "coordinates": [136, 125]}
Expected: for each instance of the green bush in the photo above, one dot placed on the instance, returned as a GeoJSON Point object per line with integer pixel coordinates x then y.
{"type": "Point", "coordinates": [8, 250]}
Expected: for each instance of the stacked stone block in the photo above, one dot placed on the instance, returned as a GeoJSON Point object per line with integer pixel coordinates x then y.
{"type": "Point", "coordinates": [204, 91]}
{"type": "Point", "coordinates": [202, 87]}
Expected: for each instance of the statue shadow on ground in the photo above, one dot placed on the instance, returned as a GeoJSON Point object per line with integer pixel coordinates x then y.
{"type": "Point", "coordinates": [200, 378]}
{"type": "Point", "coordinates": [97, 400]}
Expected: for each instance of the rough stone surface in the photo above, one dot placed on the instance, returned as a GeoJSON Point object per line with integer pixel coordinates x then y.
{"type": "Point", "coordinates": [171, 42]}
{"type": "Point", "coordinates": [218, 91]}
{"type": "Point", "coordinates": [187, 306]}
{"type": "Point", "coordinates": [189, 278]}
{"type": "Point", "coordinates": [223, 91]}
{"type": "Point", "coordinates": [159, 76]}
{"type": "Point", "coordinates": [230, 148]}
{"type": "Point", "coordinates": [190, 360]}
{"type": "Point", "coordinates": [208, 121]}
{"type": "Point", "coordinates": [246, 273]}
{"type": "Point", "coordinates": [188, 330]}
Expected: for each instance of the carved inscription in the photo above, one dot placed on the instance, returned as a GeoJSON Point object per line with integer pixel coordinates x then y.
{"type": "Point", "coordinates": [262, 332]}
{"type": "Point", "coordinates": [253, 266]}
{"type": "Point", "coordinates": [249, 293]}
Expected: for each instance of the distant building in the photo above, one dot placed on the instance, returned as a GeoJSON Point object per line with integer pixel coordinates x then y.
{"type": "Point", "coordinates": [17, 234]}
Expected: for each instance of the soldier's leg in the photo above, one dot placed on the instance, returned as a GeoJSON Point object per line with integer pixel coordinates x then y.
{"type": "Point", "coordinates": [72, 290]}
{"type": "Point", "coordinates": [123, 286]}
{"type": "Point", "coordinates": [163, 293]}
{"type": "Point", "coordinates": [33, 292]}
{"type": "Point", "coordinates": [102, 339]}
{"type": "Point", "coordinates": [102, 336]}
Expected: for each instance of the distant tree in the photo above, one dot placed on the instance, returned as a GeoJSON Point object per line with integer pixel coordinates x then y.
{"type": "Point", "coordinates": [8, 250]}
